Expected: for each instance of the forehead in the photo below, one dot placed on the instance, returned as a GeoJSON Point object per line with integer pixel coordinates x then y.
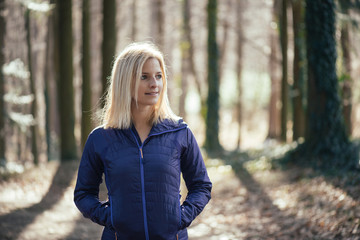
{"type": "Point", "coordinates": [152, 64]}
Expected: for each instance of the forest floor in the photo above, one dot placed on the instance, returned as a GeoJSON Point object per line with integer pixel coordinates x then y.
{"type": "Point", "coordinates": [250, 200]}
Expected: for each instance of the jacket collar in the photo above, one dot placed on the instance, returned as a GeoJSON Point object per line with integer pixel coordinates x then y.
{"type": "Point", "coordinates": [167, 125]}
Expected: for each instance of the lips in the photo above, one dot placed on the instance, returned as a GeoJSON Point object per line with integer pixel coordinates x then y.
{"type": "Point", "coordinates": [152, 93]}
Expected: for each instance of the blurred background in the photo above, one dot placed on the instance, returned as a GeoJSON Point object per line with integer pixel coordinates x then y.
{"type": "Point", "coordinates": [240, 72]}
{"type": "Point", "coordinates": [56, 59]}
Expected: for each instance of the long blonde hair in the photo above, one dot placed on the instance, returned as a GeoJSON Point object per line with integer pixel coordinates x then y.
{"type": "Point", "coordinates": [124, 81]}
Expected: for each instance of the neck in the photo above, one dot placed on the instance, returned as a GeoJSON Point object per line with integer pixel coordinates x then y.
{"type": "Point", "coordinates": [140, 115]}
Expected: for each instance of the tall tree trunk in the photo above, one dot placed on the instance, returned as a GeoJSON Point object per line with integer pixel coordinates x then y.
{"type": "Point", "coordinates": [2, 83]}
{"type": "Point", "coordinates": [191, 60]}
{"type": "Point", "coordinates": [346, 75]}
{"type": "Point", "coordinates": [34, 127]}
{"type": "Point", "coordinates": [68, 149]}
{"type": "Point", "coordinates": [298, 70]}
{"type": "Point", "coordinates": [109, 41]}
{"type": "Point", "coordinates": [212, 118]}
{"type": "Point", "coordinates": [326, 138]}
{"type": "Point", "coordinates": [86, 125]}
{"type": "Point", "coordinates": [274, 69]}
{"type": "Point", "coordinates": [284, 81]}
{"type": "Point", "coordinates": [224, 44]}
{"type": "Point", "coordinates": [184, 46]}
{"type": "Point", "coordinates": [158, 31]}
{"type": "Point", "coordinates": [239, 66]}
{"type": "Point", "coordinates": [134, 20]}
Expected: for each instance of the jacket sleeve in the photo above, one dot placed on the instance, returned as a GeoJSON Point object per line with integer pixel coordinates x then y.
{"type": "Point", "coordinates": [196, 179]}
{"type": "Point", "coordinates": [86, 194]}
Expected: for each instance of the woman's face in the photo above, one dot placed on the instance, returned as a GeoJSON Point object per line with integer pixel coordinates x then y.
{"type": "Point", "coordinates": [151, 83]}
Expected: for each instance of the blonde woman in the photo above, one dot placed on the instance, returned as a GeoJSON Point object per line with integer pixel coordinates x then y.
{"type": "Point", "coordinates": [142, 148]}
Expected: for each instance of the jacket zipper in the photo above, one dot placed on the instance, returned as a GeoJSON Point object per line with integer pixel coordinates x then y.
{"type": "Point", "coordinates": [142, 175]}
{"type": "Point", "coordinates": [142, 184]}
{"type": "Point", "coordinates": [143, 193]}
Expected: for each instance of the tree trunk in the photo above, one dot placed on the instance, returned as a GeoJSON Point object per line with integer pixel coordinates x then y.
{"type": "Point", "coordinates": [274, 69]}
{"type": "Point", "coordinates": [86, 125]}
{"type": "Point", "coordinates": [109, 41]}
{"type": "Point", "coordinates": [239, 66]}
{"type": "Point", "coordinates": [224, 44]}
{"type": "Point", "coordinates": [134, 20]}
{"type": "Point", "coordinates": [2, 82]}
{"type": "Point", "coordinates": [212, 117]}
{"type": "Point", "coordinates": [284, 80]}
{"type": "Point", "coordinates": [68, 149]}
{"type": "Point", "coordinates": [184, 46]}
{"type": "Point", "coordinates": [157, 26]}
{"type": "Point", "coordinates": [326, 139]}
{"type": "Point", "coordinates": [346, 75]}
{"type": "Point", "coordinates": [34, 127]}
{"type": "Point", "coordinates": [191, 60]}
{"type": "Point", "coordinates": [298, 70]}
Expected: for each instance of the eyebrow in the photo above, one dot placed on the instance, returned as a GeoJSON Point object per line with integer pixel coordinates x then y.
{"type": "Point", "coordinates": [148, 73]}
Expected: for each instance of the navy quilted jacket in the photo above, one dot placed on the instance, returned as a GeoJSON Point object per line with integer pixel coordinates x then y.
{"type": "Point", "coordinates": [143, 181]}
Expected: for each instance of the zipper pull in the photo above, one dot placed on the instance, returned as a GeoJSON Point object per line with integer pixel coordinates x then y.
{"type": "Point", "coordinates": [141, 152]}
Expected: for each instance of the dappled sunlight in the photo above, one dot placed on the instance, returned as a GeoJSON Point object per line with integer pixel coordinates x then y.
{"type": "Point", "coordinates": [19, 188]}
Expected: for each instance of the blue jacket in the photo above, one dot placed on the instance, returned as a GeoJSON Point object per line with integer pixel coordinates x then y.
{"type": "Point", "coordinates": [143, 181]}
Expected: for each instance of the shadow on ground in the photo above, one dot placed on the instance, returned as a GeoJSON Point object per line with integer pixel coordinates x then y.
{"type": "Point", "coordinates": [15, 222]}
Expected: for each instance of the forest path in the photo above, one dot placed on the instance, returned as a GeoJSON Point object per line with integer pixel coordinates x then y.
{"type": "Point", "coordinates": [245, 204]}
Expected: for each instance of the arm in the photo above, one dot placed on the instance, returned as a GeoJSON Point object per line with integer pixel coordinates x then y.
{"type": "Point", "coordinates": [196, 179]}
{"type": "Point", "coordinates": [86, 194]}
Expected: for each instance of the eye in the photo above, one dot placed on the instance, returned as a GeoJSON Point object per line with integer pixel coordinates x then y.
{"type": "Point", "coordinates": [159, 76]}
{"type": "Point", "coordinates": [143, 77]}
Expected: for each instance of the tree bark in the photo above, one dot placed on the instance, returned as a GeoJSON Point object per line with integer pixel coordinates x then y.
{"type": "Point", "coordinates": [298, 70]}
{"type": "Point", "coordinates": [326, 140]}
{"type": "Point", "coordinates": [274, 69]}
{"type": "Point", "coordinates": [346, 76]}
{"type": "Point", "coordinates": [86, 125]}
{"type": "Point", "coordinates": [212, 117]}
{"type": "Point", "coordinates": [34, 127]}
{"type": "Point", "coordinates": [2, 82]}
{"type": "Point", "coordinates": [68, 149]}
{"type": "Point", "coordinates": [239, 67]}
{"type": "Point", "coordinates": [109, 41]}
{"type": "Point", "coordinates": [284, 80]}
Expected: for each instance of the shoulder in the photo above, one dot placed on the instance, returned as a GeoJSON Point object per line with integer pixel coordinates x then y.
{"type": "Point", "coordinates": [100, 133]}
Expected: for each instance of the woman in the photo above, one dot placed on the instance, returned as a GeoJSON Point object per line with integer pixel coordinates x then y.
{"type": "Point", "coordinates": [142, 148]}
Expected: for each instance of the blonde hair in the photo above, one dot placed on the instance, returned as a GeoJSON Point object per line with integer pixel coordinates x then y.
{"type": "Point", "coordinates": [124, 81]}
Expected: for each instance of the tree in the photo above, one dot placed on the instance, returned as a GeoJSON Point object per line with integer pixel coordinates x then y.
{"type": "Point", "coordinates": [284, 80]}
{"type": "Point", "coordinates": [239, 65]}
{"type": "Point", "coordinates": [158, 30]}
{"type": "Point", "coordinates": [212, 117]}
{"type": "Point", "coordinates": [345, 76]}
{"type": "Point", "coordinates": [109, 40]}
{"type": "Point", "coordinates": [134, 21]}
{"type": "Point", "coordinates": [86, 125]}
{"type": "Point", "coordinates": [2, 90]}
{"type": "Point", "coordinates": [68, 149]}
{"type": "Point", "coordinates": [274, 66]}
{"type": "Point", "coordinates": [184, 46]}
{"type": "Point", "coordinates": [299, 71]}
{"type": "Point", "coordinates": [326, 143]}
{"type": "Point", "coordinates": [191, 54]}
{"type": "Point", "coordinates": [34, 127]}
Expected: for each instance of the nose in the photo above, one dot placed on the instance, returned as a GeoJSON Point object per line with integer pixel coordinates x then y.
{"type": "Point", "coordinates": [153, 82]}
